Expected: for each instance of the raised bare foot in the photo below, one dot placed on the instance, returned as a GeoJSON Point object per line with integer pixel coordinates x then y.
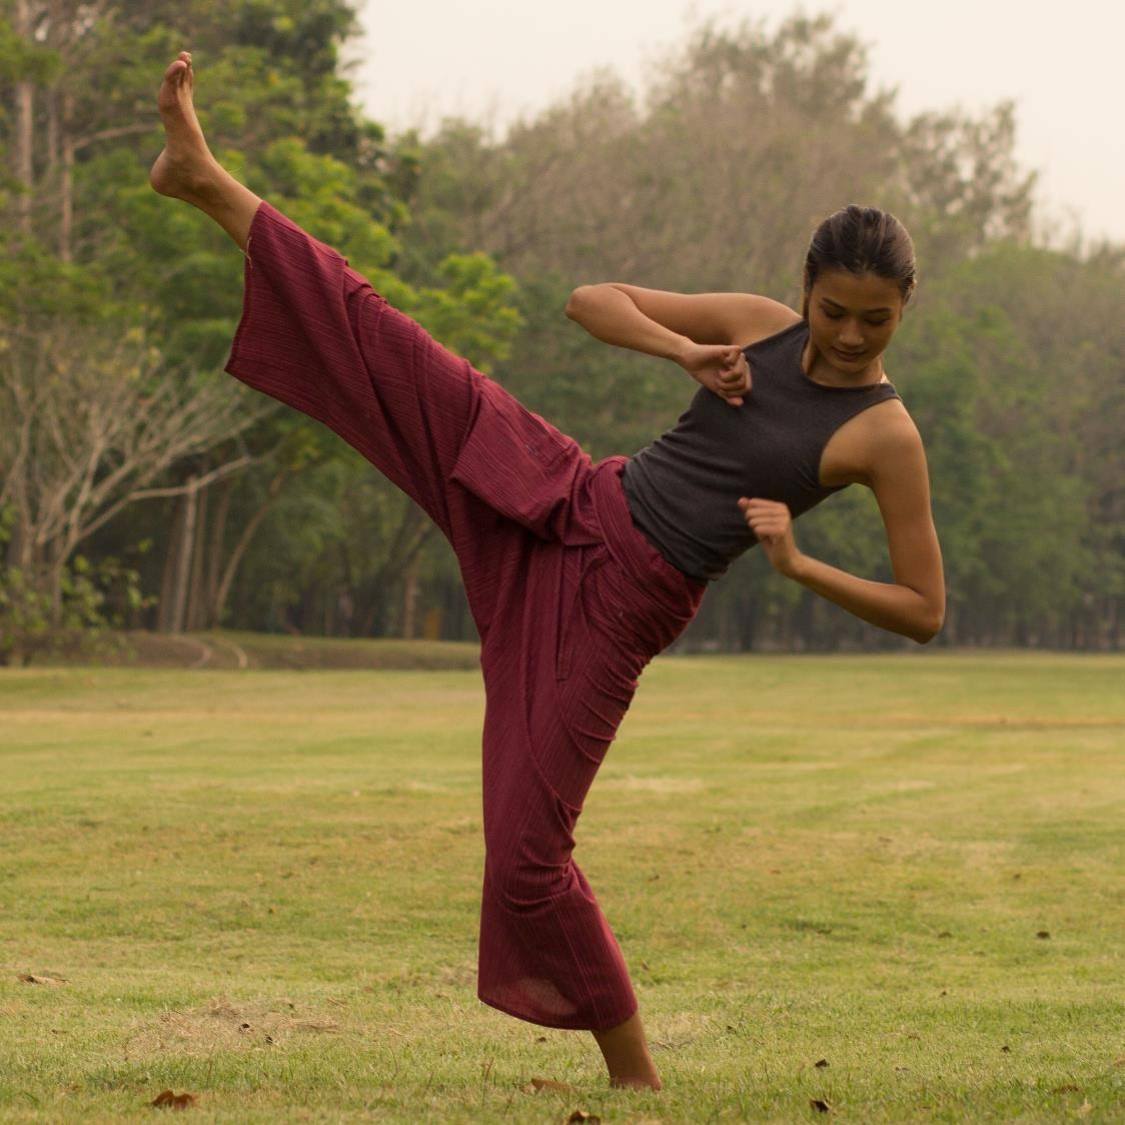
{"type": "Point", "coordinates": [186, 167]}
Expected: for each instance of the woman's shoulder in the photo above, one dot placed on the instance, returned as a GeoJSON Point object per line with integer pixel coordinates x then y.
{"type": "Point", "coordinates": [887, 440]}
{"type": "Point", "coordinates": [764, 320]}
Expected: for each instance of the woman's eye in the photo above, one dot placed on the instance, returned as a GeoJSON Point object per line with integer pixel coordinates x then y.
{"type": "Point", "coordinates": [832, 315]}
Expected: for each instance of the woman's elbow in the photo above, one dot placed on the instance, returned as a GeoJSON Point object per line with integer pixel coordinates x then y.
{"type": "Point", "coordinates": [575, 297]}
{"type": "Point", "coordinates": [932, 627]}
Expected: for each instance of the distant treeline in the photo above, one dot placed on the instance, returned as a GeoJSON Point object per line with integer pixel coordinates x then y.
{"type": "Point", "coordinates": [139, 485]}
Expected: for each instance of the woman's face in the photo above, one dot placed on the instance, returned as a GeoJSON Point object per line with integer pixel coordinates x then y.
{"type": "Point", "coordinates": [852, 317]}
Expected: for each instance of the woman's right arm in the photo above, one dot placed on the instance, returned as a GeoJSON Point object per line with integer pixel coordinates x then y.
{"type": "Point", "coordinates": [660, 323]}
{"type": "Point", "coordinates": [699, 331]}
{"type": "Point", "coordinates": [611, 315]}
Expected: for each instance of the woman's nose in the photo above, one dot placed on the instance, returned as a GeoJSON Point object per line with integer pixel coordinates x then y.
{"type": "Point", "coordinates": [851, 335]}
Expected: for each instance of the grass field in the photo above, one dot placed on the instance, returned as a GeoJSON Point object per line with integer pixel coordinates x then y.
{"type": "Point", "coordinates": [890, 884]}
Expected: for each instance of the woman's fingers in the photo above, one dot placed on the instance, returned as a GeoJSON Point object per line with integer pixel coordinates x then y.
{"type": "Point", "coordinates": [734, 382]}
{"type": "Point", "coordinates": [767, 514]}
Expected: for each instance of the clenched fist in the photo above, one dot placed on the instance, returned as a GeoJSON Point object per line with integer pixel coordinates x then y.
{"type": "Point", "coordinates": [721, 368]}
{"type": "Point", "coordinates": [772, 523]}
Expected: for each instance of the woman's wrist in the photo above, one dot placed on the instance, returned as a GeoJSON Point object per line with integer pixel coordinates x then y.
{"type": "Point", "coordinates": [797, 566]}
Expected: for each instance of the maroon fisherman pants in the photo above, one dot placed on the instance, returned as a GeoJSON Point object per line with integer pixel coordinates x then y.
{"type": "Point", "coordinates": [570, 600]}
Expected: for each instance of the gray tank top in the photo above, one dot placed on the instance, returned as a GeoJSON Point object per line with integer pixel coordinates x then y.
{"type": "Point", "coordinates": [684, 487]}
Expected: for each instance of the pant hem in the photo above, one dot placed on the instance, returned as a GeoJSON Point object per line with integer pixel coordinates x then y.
{"type": "Point", "coordinates": [561, 1025]}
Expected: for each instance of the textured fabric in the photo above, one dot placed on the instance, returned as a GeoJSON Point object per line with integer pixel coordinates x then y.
{"type": "Point", "coordinates": [570, 599]}
{"type": "Point", "coordinates": [683, 489]}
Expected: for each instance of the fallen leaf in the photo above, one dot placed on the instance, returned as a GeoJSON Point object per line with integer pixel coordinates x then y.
{"type": "Point", "coordinates": [945, 933]}
{"type": "Point", "coordinates": [167, 1100]}
{"type": "Point", "coordinates": [44, 978]}
{"type": "Point", "coordinates": [1066, 1088]}
{"type": "Point", "coordinates": [1043, 934]}
{"type": "Point", "coordinates": [1084, 1109]}
{"type": "Point", "coordinates": [821, 1062]}
{"type": "Point", "coordinates": [820, 1104]}
{"type": "Point", "coordinates": [582, 1115]}
{"type": "Point", "coordinates": [537, 1084]}
{"type": "Point", "coordinates": [541, 1039]}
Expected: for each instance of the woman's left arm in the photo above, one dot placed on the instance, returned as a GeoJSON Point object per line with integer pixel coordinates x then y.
{"type": "Point", "coordinates": [914, 604]}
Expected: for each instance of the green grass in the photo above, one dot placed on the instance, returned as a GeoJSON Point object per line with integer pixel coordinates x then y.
{"type": "Point", "coordinates": [262, 887]}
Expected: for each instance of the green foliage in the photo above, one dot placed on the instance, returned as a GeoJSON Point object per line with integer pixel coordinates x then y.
{"type": "Point", "coordinates": [743, 138]}
{"type": "Point", "coordinates": [472, 314]}
{"type": "Point", "coordinates": [77, 622]}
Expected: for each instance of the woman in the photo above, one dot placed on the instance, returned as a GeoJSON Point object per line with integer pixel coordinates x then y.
{"type": "Point", "coordinates": [578, 574]}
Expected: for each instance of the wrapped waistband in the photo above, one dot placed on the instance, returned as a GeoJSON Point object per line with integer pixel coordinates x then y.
{"type": "Point", "coordinates": [675, 593]}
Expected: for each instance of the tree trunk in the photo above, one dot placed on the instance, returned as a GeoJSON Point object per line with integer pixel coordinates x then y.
{"type": "Point", "coordinates": [66, 224]}
{"type": "Point", "coordinates": [24, 127]}
{"type": "Point", "coordinates": [410, 597]}
{"type": "Point", "coordinates": [51, 572]}
{"type": "Point", "coordinates": [52, 135]}
{"type": "Point", "coordinates": [183, 561]}
{"type": "Point", "coordinates": [171, 552]}
{"type": "Point", "coordinates": [196, 614]}
{"type": "Point", "coordinates": [215, 555]}
{"type": "Point", "coordinates": [240, 548]}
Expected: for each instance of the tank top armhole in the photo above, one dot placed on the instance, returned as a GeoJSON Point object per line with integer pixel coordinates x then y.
{"type": "Point", "coordinates": [776, 336]}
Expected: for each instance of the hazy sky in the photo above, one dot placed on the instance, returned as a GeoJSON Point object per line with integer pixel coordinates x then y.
{"type": "Point", "coordinates": [1062, 64]}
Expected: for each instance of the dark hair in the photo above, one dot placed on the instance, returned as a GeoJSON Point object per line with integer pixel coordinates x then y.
{"type": "Point", "coordinates": [861, 240]}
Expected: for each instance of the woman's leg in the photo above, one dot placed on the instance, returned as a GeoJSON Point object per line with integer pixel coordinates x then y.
{"type": "Point", "coordinates": [315, 336]}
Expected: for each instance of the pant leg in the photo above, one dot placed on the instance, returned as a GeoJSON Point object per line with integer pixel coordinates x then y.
{"type": "Point", "coordinates": [315, 335]}
{"type": "Point", "coordinates": [528, 516]}
{"type": "Point", "coordinates": [561, 669]}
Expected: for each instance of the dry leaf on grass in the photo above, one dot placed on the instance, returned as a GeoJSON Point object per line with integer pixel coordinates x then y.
{"type": "Point", "coordinates": [582, 1115]}
{"type": "Point", "coordinates": [42, 978]}
{"type": "Point", "coordinates": [167, 1100]}
{"type": "Point", "coordinates": [537, 1084]}
{"type": "Point", "coordinates": [821, 1105]}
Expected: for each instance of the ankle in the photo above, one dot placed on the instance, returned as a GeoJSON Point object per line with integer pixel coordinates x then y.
{"type": "Point", "coordinates": [208, 185]}
{"type": "Point", "coordinates": [649, 1081]}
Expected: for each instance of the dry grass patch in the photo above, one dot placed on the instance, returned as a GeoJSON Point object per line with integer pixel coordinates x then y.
{"type": "Point", "coordinates": [223, 1024]}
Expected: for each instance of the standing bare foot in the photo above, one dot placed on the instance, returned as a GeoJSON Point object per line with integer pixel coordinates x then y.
{"type": "Point", "coordinates": [186, 167]}
{"type": "Point", "coordinates": [626, 1054]}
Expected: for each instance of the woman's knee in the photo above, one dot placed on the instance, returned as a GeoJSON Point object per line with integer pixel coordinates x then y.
{"type": "Point", "coordinates": [532, 865]}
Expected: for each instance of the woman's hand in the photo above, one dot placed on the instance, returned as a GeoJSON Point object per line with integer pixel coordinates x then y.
{"type": "Point", "coordinates": [721, 368]}
{"type": "Point", "coordinates": [771, 522]}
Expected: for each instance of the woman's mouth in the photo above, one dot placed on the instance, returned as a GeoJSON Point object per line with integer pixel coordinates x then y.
{"type": "Point", "coordinates": [850, 356]}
